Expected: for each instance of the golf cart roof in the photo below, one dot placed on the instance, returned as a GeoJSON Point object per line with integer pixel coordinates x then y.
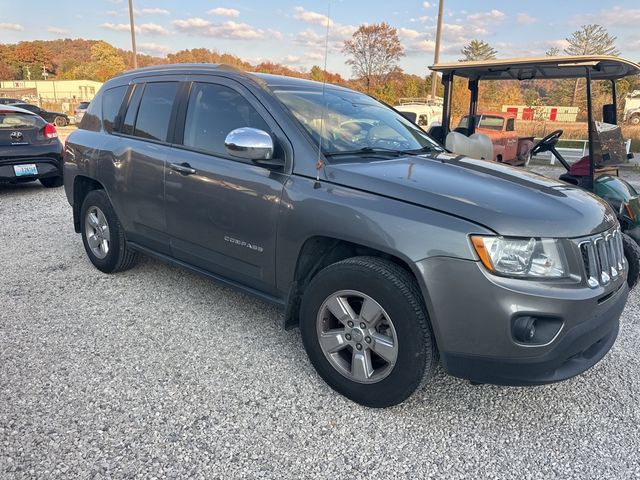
{"type": "Point", "coordinates": [602, 68]}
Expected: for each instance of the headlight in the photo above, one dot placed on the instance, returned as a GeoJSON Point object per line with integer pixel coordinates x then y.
{"type": "Point", "coordinates": [521, 257]}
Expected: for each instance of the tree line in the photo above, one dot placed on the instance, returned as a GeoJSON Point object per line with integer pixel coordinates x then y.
{"type": "Point", "coordinates": [373, 53]}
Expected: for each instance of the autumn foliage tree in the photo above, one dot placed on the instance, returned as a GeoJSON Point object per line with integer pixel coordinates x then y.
{"type": "Point", "coordinates": [374, 51]}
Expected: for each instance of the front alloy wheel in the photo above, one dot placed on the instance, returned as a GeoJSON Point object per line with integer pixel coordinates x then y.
{"type": "Point", "coordinates": [366, 330]}
{"type": "Point", "coordinates": [362, 346]}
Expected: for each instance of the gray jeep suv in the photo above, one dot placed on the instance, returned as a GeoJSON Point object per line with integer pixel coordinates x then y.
{"type": "Point", "coordinates": [385, 249]}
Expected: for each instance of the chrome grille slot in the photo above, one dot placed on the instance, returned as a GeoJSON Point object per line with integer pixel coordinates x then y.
{"type": "Point", "coordinates": [611, 252]}
{"type": "Point", "coordinates": [603, 258]}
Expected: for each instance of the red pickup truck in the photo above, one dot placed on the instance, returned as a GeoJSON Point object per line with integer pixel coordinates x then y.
{"type": "Point", "coordinates": [500, 127]}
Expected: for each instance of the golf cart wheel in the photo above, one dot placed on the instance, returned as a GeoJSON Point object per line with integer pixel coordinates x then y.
{"type": "Point", "coordinates": [632, 255]}
{"type": "Point", "coordinates": [634, 120]}
{"type": "Point", "coordinates": [60, 122]}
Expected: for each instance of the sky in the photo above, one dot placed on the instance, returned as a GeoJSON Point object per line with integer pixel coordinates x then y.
{"type": "Point", "coordinates": [293, 32]}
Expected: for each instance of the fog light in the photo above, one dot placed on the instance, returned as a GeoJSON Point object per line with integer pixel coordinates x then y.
{"type": "Point", "coordinates": [524, 329]}
{"type": "Point", "coordinates": [535, 330]}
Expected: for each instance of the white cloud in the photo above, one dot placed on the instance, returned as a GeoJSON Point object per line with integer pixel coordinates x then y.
{"type": "Point", "coordinates": [152, 11]}
{"type": "Point", "coordinates": [275, 34]}
{"type": "Point", "coordinates": [145, 28]}
{"type": "Point", "coordinates": [491, 16]}
{"type": "Point", "coordinates": [426, 4]}
{"type": "Point", "coordinates": [57, 30]}
{"type": "Point", "coordinates": [224, 12]}
{"type": "Point", "coordinates": [312, 17]}
{"type": "Point", "coordinates": [408, 33]}
{"type": "Point", "coordinates": [116, 27]}
{"type": "Point", "coordinates": [11, 26]}
{"type": "Point", "coordinates": [229, 29]}
{"type": "Point", "coordinates": [611, 17]}
{"type": "Point", "coordinates": [152, 29]}
{"type": "Point", "coordinates": [152, 48]}
{"type": "Point", "coordinates": [525, 19]}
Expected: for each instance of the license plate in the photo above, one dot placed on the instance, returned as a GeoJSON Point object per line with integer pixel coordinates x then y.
{"type": "Point", "coordinates": [24, 170]}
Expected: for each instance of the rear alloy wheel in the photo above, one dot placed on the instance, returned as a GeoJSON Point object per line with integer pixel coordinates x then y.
{"type": "Point", "coordinates": [366, 331]}
{"type": "Point", "coordinates": [103, 236]}
{"type": "Point", "coordinates": [60, 122]}
{"type": "Point", "coordinates": [632, 255]}
{"type": "Point", "coordinates": [52, 182]}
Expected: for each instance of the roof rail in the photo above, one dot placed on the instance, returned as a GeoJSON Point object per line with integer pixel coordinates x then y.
{"type": "Point", "coordinates": [181, 66]}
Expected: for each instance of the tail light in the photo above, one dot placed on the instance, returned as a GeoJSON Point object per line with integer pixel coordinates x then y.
{"type": "Point", "coordinates": [50, 131]}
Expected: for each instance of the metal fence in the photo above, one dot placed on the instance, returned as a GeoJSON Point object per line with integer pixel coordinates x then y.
{"type": "Point", "coordinates": [572, 154]}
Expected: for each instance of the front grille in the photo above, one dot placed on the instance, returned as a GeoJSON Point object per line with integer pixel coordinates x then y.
{"type": "Point", "coordinates": [603, 258]}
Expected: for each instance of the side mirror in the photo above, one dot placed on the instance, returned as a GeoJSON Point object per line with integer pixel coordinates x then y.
{"type": "Point", "coordinates": [251, 144]}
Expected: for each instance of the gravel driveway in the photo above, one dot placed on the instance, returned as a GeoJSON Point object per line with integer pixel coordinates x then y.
{"type": "Point", "coordinates": [158, 373]}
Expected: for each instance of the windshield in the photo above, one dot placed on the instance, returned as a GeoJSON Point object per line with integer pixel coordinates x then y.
{"type": "Point", "coordinates": [484, 121]}
{"type": "Point", "coordinates": [346, 122]}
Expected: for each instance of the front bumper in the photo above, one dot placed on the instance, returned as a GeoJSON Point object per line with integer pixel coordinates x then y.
{"type": "Point", "coordinates": [472, 323]}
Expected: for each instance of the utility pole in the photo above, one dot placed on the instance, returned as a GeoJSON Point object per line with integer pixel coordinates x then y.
{"type": "Point", "coordinates": [133, 35]}
{"type": "Point", "coordinates": [28, 72]}
{"type": "Point", "coordinates": [436, 55]}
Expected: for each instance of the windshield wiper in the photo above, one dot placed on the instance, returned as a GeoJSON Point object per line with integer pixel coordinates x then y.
{"type": "Point", "coordinates": [370, 150]}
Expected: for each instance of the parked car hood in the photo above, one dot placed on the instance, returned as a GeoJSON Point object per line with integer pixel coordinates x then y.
{"type": "Point", "coordinates": [508, 200]}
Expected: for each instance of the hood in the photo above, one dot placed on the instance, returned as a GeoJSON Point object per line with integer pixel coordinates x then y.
{"type": "Point", "coordinates": [508, 200]}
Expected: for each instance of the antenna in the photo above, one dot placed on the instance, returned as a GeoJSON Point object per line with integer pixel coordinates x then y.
{"type": "Point", "coordinates": [320, 162]}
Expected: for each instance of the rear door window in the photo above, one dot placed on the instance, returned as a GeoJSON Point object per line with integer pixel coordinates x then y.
{"type": "Point", "coordinates": [154, 113]}
{"type": "Point", "coordinates": [111, 103]}
{"type": "Point", "coordinates": [213, 112]}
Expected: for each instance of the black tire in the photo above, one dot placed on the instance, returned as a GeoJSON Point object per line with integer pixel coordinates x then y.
{"type": "Point", "coordinates": [60, 121]}
{"type": "Point", "coordinates": [632, 255]}
{"type": "Point", "coordinates": [119, 257]}
{"type": "Point", "coordinates": [52, 182]}
{"type": "Point", "coordinates": [396, 291]}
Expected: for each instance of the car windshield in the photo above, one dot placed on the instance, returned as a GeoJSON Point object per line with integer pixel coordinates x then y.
{"type": "Point", "coordinates": [13, 120]}
{"type": "Point", "coordinates": [350, 123]}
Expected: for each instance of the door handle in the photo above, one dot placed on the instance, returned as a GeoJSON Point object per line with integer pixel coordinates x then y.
{"type": "Point", "coordinates": [183, 168]}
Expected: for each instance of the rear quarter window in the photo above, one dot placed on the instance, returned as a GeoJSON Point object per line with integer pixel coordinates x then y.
{"type": "Point", "coordinates": [111, 103]}
{"type": "Point", "coordinates": [91, 119]}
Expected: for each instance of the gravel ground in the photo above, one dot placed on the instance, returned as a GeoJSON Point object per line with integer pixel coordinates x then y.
{"type": "Point", "coordinates": [157, 373]}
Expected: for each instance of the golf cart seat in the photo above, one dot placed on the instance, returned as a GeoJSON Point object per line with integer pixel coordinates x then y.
{"type": "Point", "coordinates": [578, 174]}
{"type": "Point", "coordinates": [476, 146]}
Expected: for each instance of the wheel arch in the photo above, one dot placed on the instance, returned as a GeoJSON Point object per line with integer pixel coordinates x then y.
{"type": "Point", "coordinates": [318, 252]}
{"type": "Point", "coordinates": [82, 185]}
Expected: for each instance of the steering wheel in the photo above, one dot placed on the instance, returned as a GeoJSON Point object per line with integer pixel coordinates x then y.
{"type": "Point", "coordinates": [547, 143]}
